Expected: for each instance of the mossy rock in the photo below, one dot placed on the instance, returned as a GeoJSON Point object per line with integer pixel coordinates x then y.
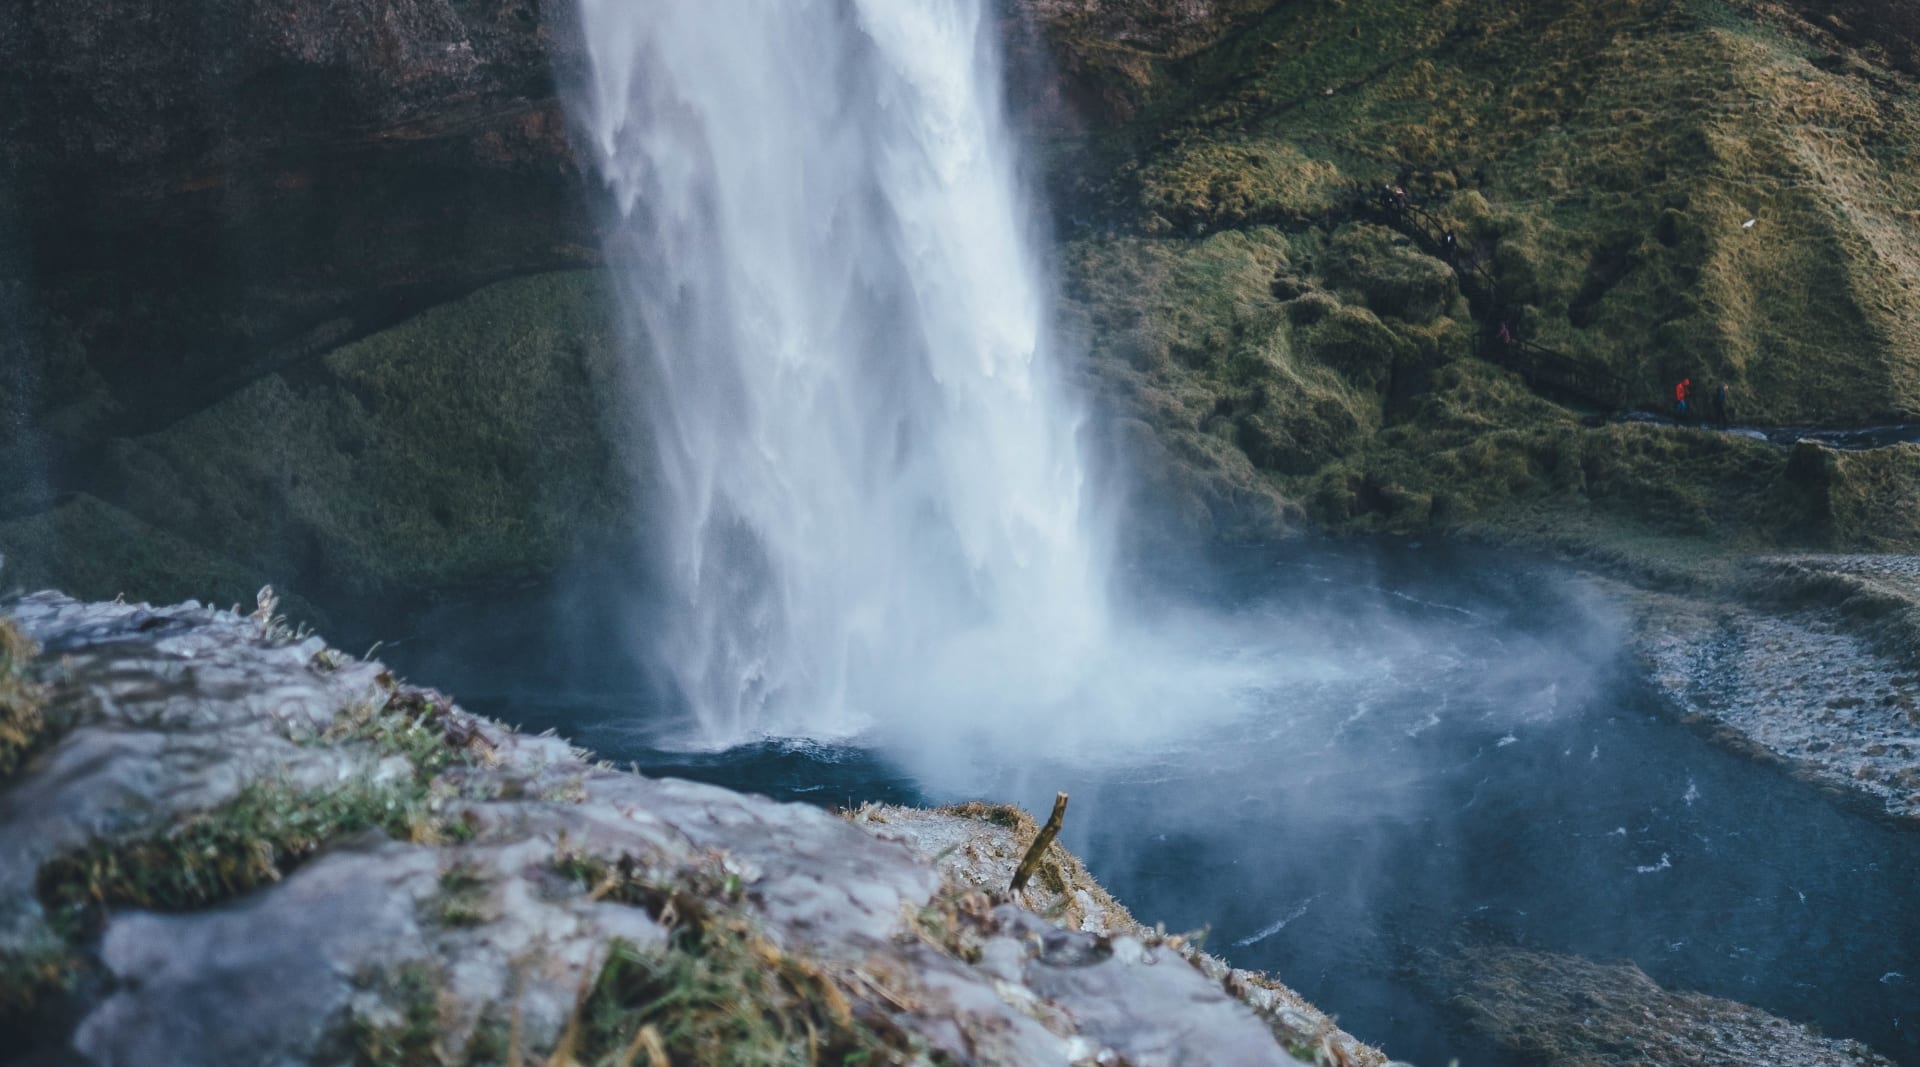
{"type": "Point", "coordinates": [1383, 270]}
{"type": "Point", "coordinates": [1204, 185]}
{"type": "Point", "coordinates": [1211, 372]}
{"type": "Point", "coordinates": [1351, 340]}
{"type": "Point", "coordinates": [1300, 437]}
{"type": "Point", "coordinates": [1863, 499]}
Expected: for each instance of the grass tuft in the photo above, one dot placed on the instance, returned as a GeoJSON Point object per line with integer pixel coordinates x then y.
{"type": "Point", "coordinates": [462, 900]}
{"type": "Point", "coordinates": [270, 828]}
{"type": "Point", "coordinates": [413, 1035]}
{"type": "Point", "coordinates": [33, 978]}
{"type": "Point", "coordinates": [253, 840]}
{"type": "Point", "coordinates": [22, 726]}
{"type": "Point", "coordinates": [720, 992]}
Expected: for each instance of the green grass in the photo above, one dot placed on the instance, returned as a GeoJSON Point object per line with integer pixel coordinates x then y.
{"type": "Point", "coordinates": [719, 993]}
{"type": "Point", "coordinates": [412, 723]}
{"type": "Point", "coordinates": [269, 827]}
{"type": "Point", "coordinates": [34, 977]}
{"type": "Point", "coordinates": [253, 840]}
{"type": "Point", "coordinates": [463, 445]}
{"type": "Point", "coordinates": [1200, 186]}
{"type": "Point", "coordinates": [462, 899]}
{"type": "Point", "coordinates": [415, 1036]}
{"type": "Point", "coordinates": [88, 548]}
{"type": "Point", "coordinates": [22, 725]}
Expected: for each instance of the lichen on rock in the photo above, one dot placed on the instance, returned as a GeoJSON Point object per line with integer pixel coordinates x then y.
{"type": "Point", "coordinates": [976, 847]}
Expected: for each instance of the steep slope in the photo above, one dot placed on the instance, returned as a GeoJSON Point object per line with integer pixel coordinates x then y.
{"type": "Point", "coordinates": [1646, 189]}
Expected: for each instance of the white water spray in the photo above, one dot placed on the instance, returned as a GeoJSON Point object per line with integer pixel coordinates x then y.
{"type": "Point", "coordinates": [876, 507]}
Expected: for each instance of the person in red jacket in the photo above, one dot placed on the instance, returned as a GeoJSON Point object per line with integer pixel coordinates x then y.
{"type": "Point", "coordinates": [1683, 399]}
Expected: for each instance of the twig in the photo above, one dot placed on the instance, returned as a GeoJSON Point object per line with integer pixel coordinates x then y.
{"type": "Point", "coordinates": [646, 1039]}
{"type": "Point", "coordinates": [1040, 843]}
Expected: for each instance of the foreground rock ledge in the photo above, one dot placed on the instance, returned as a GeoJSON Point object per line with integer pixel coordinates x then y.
{"type": "Point", "coordinates": [231, 844]}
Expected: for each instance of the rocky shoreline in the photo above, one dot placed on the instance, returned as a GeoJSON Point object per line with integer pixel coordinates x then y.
{"type": "Point", "coordinates": [1814, 664]}
{"type": "Point", "coordinates": [230, 843]}
{"type": "Point", "coordinates": [1562, 1011]}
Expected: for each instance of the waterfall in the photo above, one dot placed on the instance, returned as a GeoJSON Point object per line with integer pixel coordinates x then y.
{"type": "Point", "coordinates": [872, 504]}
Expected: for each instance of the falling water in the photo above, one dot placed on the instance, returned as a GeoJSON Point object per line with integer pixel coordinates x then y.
{"type": "Point", "coordinates": [875, 506]}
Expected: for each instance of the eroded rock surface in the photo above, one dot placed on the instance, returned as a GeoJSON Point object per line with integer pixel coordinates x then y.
{"type": "Point", "coordinates": [488, 884]}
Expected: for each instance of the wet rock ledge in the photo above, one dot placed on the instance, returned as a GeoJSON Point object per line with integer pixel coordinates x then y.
{"type": "Point", "coordinates": [225, 843]}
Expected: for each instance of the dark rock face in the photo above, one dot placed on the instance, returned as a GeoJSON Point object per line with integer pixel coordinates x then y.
{"type": "Point", "coordinates": [195, 194]}
{"type": "Point", "coordinates": [1093, 60]}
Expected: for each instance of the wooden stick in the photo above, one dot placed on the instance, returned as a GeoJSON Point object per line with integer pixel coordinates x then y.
{"type": "Point", "coordinates": [1040, 843]}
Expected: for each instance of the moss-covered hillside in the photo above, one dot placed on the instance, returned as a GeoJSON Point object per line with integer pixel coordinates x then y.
{"type": "Point", "coordinates": [1648, 188]}
{"type": "Point", "coordinates": [468, 445]}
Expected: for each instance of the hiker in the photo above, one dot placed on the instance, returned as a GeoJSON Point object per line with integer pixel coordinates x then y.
{"type": "Point", "coordinates": [1682, 393]}
{"type": "Point", "coordinates": [1720, 405]}
{"type": "Point", "coordinates": [1505, 335]}
{"type": "Point", "coordinates": [1447, 244]}
{"type": "Point", "coordinates": [1399, 198]}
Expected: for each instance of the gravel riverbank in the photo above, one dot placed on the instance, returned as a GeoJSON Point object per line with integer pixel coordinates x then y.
{"type": "Point", "coordinates": [1817, 668]}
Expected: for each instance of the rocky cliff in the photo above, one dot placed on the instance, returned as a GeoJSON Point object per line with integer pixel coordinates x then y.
{"type": "Point", "coordinates": [224, 843]}
{"type": "Point", "coordinates": [250, 253]}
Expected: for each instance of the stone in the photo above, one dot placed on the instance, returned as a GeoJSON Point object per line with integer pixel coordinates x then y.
{"type": "Point", "coordinates": [504, 895]}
